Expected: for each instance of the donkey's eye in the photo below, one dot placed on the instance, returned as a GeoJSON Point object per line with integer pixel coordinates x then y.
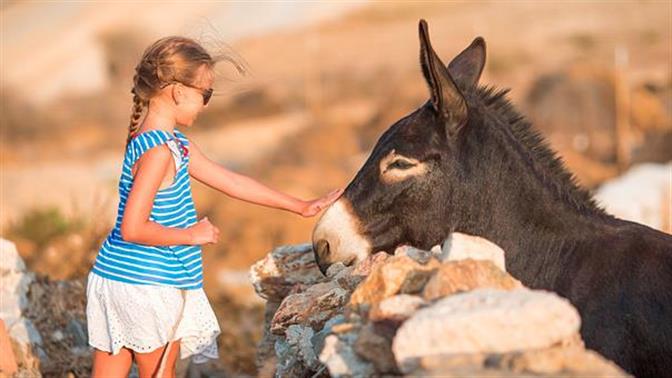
{"type": "Point", "coordinates": [396, 168]}
{"type": "Point", "coordinates": [400, 164]}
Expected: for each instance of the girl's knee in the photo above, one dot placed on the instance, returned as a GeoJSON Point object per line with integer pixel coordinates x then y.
{"type": "Point", "coordinates": [106, 364]}
{"type": "Point", "coordinates": [149, 363]}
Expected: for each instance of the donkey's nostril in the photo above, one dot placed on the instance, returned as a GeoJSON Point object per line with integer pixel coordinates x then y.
{"type": "Point", "coordinates": [351, 261]}
{"type": "Point", "coordinates": [322, 254]}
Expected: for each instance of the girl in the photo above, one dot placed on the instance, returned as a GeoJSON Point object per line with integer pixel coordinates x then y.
{"type": "Point", "coordinates": [144, 293]}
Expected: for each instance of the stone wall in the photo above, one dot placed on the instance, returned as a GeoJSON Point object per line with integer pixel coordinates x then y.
{"type": "Point", "coordinates": [45, 321]}
{"type": "Point", "coordinates": [451, 311]}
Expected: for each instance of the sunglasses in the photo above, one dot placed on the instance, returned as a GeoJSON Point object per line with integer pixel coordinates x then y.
{"type": "Point", "coordinates": [206, 93]}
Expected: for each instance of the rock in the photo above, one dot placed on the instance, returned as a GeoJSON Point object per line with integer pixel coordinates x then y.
{"type": "Point", "coordinates": [287, 362]}
{"type": "Point", "coordinates": [46, 319]}
{"type": "Point", "coordinates": [411, 313]}
{"type": "Point", "coordinates": [366, 266]}
{"type": "Point", "coordinates": [456, 365]}
{"type": "Point", "coordinates": [78, 333]}
{"type": "Point", "coordinates": [312, 307]}
{"type": "Point", "coordinates": [334, 269]}
{"type": "Point", "coordinates": [347, 280]}
{"type": "Point", "coordinates": [574, 341]}
{"type": "Point", "coordinates": [60, 306]}
{"type": "Point", "coordinates": [465, 275]}
{"type": "Point", "coordinates": [320, 336]}
{"type": "Point", "coordinates": [485, 321]}
{"type": "Point", "coordinates": [28, 356]}
{"type": "Point", "coordinates": [15, 283]}
{"type": "Point", "coordinates": [547, 362]}
{"type": "Point", "coordinates": [301, 337]}
{"type": "Point", "coordinates": [460, 246]}
{"type": "Point", "coordinates": [274, 276]}
{"type": "Point", "coordinates": [57, 335]}
{"type": "Point", "coordinates": [345, 328]}
{"type": "Point", "coordinates": [416, 254]}
{"type": "Point", "coordinates": [295, 353]}
{"type": "Point", "coordinates": [13, 296]}
{"type": "Point", "coordinates": [553, 361]}
{"type": "Point", "coordinates": [641, 195]}
{"type": "Point", "coordinates": [398, 275]}
{"type": "Point", "coordinates": [377, 349]}
{"type": "Point", "coordinates": [10, 260]}
{"type": "Point", "coordinates": [24, 332]}
{"type": "Point", "coordinates": [341, 360]}
{"type": "Point", "coordinates": [397, 308]}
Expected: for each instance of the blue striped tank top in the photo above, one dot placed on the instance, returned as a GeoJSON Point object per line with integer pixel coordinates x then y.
{"type": "Point", "coordinates": [178, 266]}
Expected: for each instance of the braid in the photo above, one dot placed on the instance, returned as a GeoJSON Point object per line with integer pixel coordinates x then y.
{"type": "Point", "coordinates": [138, 106]}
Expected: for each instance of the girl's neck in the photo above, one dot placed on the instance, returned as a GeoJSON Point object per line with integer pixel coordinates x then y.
{"type": "Point", "coordinates": [158, 118]}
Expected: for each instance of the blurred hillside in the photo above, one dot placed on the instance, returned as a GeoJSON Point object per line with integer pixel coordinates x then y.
{"type": "Point", "coordinates": [594, 77]}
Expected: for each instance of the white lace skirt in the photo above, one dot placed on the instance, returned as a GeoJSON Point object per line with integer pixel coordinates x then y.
{"type": "Point", "coordinates": [142, 318]}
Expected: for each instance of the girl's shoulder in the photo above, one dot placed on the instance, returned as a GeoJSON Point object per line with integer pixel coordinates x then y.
{"type": "Point", "coordinates": [145, 141]}
{"type": "Point", "coordinates": [152, 138]}
{"type": "Point", "coordinates": [140, 144]}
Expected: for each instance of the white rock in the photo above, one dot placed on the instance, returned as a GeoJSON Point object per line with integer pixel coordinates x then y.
{"type": "Point", "coordinates": [459, 246]}
{"type": "Point", "coordinates": [400, 306]}
{"type": "Point", "coordinates": [419, 255]}
{"type": "Point", "coordinates": [341, 359]}
{"type": "Point", "coordinates": [13, 300]}
{"type": "Point", "coordinates": [25, 333]}
{"type": "Point", "coordinates": [27, 346]}
{"type": "Point", "coordinates": [641, 195]}
{"type": "Point", "coordinates": [57, 335]}
{"type": "Point", "coordinates": [274, 275]}
{"type": "Point", "coordinates": [485, 320]}
{"type": "Point", "coordinates": [14, 284]}
{"type": "Point", "coordinates": [10, 261]}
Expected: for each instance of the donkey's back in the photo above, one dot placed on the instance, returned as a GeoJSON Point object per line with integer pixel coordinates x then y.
{"type": "Point", "coordinates": [621, 283]}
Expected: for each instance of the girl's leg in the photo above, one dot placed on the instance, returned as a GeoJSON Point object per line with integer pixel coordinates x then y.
{"type": "Point", "coordinates": [148, 363]}
{"type": "Point", "coordinates": [106, 364]}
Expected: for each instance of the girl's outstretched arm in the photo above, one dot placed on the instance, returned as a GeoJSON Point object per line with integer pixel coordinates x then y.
{"type": "Point", "coordinates": [247, 189]}
{"type": "Point", "coordinates": [135, 224]}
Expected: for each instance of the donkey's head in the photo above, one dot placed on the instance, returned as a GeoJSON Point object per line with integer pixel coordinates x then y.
{"type": "Point", "coordinates": [403, 192]}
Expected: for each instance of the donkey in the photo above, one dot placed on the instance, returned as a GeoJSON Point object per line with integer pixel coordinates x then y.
{"type": "Point", "coordinates": [466, 161]}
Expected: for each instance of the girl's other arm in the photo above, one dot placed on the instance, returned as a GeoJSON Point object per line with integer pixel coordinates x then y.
{"type": "Point", "coordinates": [247, 189]}
{"type": "Point", "coordinates": [135, 224]}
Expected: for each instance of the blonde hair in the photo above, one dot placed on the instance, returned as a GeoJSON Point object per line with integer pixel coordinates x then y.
{"type": "Point", "coordinates": [167, 60]}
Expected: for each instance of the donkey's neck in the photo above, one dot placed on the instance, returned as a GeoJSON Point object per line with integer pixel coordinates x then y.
{"type": "Point", "coordinates": [514, 198]}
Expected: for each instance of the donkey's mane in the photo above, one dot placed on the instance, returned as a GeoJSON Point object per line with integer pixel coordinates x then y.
{"type": "Point", "coordinates": [552, 169]}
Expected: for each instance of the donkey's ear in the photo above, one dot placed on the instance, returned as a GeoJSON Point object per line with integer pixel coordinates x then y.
{"type": "Point", "coordinates": [466, 68]}
{"type": "Point", "coordinates": [446, 98]}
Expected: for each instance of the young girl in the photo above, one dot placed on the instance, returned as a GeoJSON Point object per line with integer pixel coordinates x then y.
{"type": "Point", "coordinates": [145, 300]}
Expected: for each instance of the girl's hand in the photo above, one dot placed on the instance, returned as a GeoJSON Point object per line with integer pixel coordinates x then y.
{"type": "Point", "coordinates": [204, 232]}
{"type": "Point", "coordinates": [315, 206]}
